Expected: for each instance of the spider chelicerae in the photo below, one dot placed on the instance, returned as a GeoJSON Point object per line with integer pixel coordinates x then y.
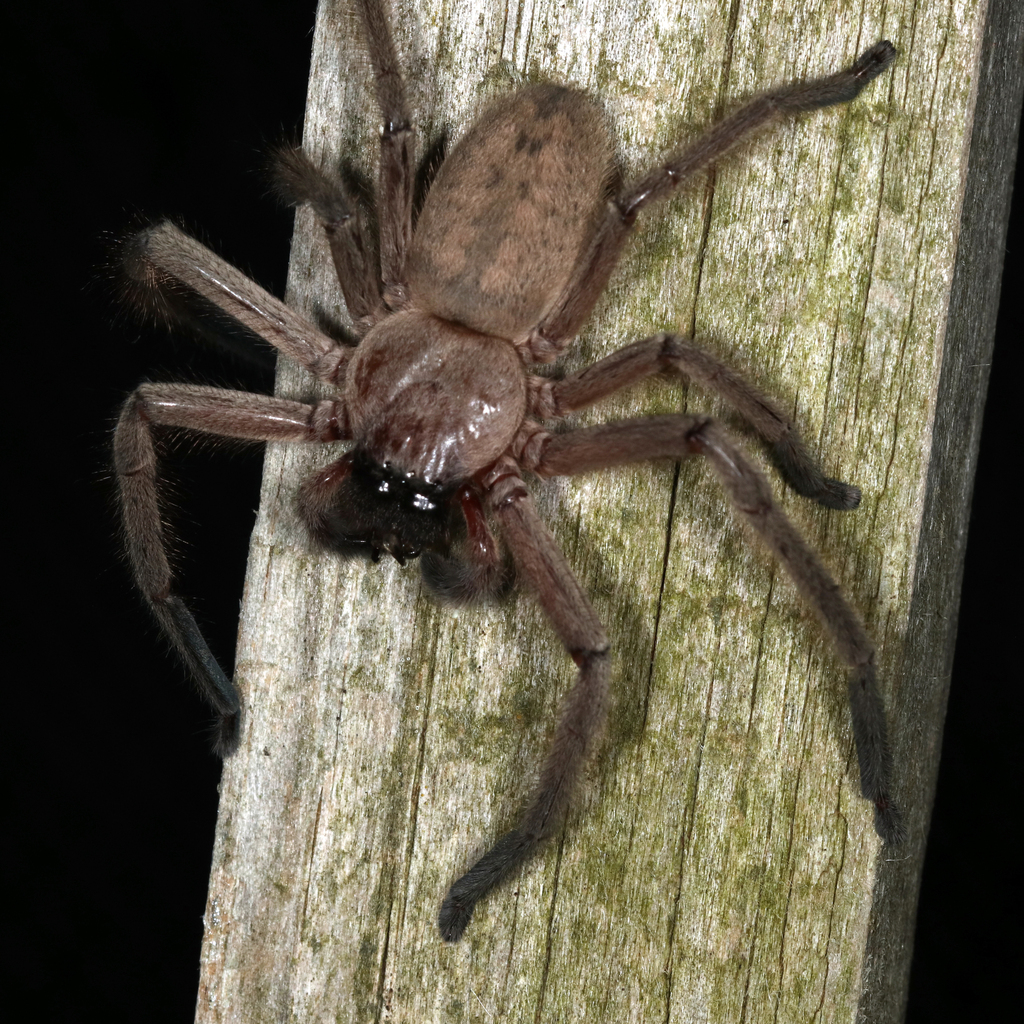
{"type": "Point", "coordinates": [517, 236]}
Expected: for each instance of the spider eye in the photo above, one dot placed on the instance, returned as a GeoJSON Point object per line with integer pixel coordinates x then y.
{"type": "Point", "coordinates": [359, 507]}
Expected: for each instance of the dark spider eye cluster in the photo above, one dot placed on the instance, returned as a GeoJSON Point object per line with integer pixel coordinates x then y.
{"type": "Point", "coordinates": [379, 509]}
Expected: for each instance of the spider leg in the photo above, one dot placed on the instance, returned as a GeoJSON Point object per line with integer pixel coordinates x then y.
{"type": "Point", "coordinates": [670, 352]}
{"type": "Point", "coordinates": [212, 411]}
{"type": "Point", "coordinates": [397, 142]}
{"type": "Point", "coordinates": [540, 561]}
{"type": "Point", "coordinates": [164, 258]}
{"type": "Point", "coordinates": [299, 181]}
{"type": "Point", "coordinates": [680, 436]}
{"type": "Point", "coordinates": [563, 322]}
{"type": "Point", "coordinates": [841, 87]}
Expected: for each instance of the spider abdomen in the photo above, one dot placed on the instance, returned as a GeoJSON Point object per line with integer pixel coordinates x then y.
{"type": "Point", "coordinates": [433, 399]}
{"type": "Point", "coordinates": [511, 210]}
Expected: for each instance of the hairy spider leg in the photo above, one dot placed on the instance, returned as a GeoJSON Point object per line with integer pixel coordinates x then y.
{"type": "Point", "coordinates": [560, 326]}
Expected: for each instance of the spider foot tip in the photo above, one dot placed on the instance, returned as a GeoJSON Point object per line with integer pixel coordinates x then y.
{"type": "Point", "coordinates": [889, 822]}
{"type": "Point", "coordinates": [226, 734]}
{"type": "Point", "coordinates": [872, 62]}
{"type": "Point", "coordinates": [839, 495]}
{"type": "Point", "coordinates": [453, 918]}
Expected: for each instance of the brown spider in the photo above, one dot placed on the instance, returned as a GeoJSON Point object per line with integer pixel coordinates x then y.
{"type": "Point", "coordinates": [516, 239]}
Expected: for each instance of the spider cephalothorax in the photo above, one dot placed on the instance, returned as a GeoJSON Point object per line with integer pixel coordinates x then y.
{"type": "Point", "coordinates": [518, 235]}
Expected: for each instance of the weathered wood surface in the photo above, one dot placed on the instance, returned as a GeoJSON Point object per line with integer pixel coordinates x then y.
{"type": "Point", "coordinates": [720, 864]}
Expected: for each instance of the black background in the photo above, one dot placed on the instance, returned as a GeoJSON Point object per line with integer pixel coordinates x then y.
{"type": "Point", "coordinates": [135, 111]}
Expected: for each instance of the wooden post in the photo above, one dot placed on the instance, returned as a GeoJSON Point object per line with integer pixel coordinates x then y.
{"type": "Point", "coordinates": [719, 864]}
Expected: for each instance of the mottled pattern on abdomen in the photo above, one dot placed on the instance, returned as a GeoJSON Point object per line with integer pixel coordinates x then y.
{"type": "Point", "coordinates": [514, 202]}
